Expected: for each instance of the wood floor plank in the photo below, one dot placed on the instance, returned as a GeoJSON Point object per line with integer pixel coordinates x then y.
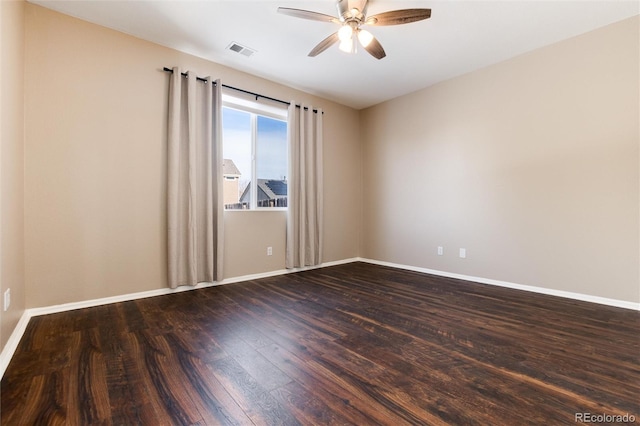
{"type": "Point", "coordinates": [259, 405]}
{"type": "Point", "coordinates": [331, 394]}
{"type": "Point", "coordinates": [87, 393]}
{"type": "Point", "coordinates": [307, 407]}
{"type": "Point", "coordinates": [152, 406]}
{"type": "Point", "coordinates": [111, 331]}
{"type": "Point", "coordinates": [351, 344]}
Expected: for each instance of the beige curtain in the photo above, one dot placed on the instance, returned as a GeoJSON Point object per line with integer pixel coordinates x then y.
{"type": "Point", "coordinates": [194, 192]}
{"type": "Point", "coordinates": [304, 214]}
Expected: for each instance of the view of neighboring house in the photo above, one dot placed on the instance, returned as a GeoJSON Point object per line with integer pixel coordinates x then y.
{"type": "Point", "coordinates": [271, 193]}
{"type": "Point", "coordinates": [231, 184]}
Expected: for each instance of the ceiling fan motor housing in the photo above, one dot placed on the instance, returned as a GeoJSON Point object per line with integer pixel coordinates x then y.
{"type": "Point", "coordinates": [346, 9]}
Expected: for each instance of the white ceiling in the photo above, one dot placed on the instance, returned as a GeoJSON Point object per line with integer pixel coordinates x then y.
{"type": "Point", "coordinates": [460, 36]}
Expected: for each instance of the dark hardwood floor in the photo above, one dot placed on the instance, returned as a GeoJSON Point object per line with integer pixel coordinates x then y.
{"type": "Point", "coordinates": [352, 344]}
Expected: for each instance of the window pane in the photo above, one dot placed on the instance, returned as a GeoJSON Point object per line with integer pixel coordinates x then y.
{"type": "Point", "coordinates": [236, 136]}
{"type": "Point", "coordinates": [271, 162]}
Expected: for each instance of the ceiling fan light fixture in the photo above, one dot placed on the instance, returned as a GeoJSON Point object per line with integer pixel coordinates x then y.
{"type": "Point", "coordinates": [346, 45]}
{"type": "Point", "coordinates": [345, 33]}
{"type": "Point", "coordinates": [364, 37]}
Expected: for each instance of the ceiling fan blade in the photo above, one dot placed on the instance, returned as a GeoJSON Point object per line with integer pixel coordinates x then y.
{"type": "Point", "coordinates": [343, 8]}
{"type": "Point", "coordinates": [397, 17]}
{"type": "Point", "coordinates": [375, 49]}
{"type": "Point", "coordinates": [307, 14]}
{"type": "Point", "coordinates": [324, 44]}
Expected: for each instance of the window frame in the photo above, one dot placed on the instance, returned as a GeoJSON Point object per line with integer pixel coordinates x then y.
{"type": "Point", "coordinates": [255, 109]}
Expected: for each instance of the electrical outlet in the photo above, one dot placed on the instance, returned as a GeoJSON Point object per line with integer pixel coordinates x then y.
{"type": "Point", "coordinates": [269, 251]}
{"type": "Point", "coordinates": [7, 298]}
{"type": "Point", "coordinates": [463, 253]}
{"type": "Point", "coordinates": [440, 250]}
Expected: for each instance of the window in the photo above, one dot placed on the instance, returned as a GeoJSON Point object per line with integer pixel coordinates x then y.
{"type": "Point", "coordinates": [255, 156]}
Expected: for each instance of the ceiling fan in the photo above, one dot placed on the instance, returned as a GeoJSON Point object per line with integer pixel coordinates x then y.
{"type": "Point", "coordinates": [352, 16]}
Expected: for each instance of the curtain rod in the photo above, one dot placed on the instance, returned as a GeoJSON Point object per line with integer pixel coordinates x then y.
{"type": "Point", "coordinates": [257, 95]}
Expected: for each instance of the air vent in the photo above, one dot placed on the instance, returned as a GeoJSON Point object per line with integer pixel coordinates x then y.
{"type": "Point", "coordinates": [243, 50]}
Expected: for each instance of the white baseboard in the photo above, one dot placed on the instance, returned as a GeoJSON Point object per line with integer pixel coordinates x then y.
{"type": "Point", "coordinates": [542, 290]}
{"type": "Point", "coordinates": [12, 344]}
{"type": "Point", "coordinates": [164, 291]}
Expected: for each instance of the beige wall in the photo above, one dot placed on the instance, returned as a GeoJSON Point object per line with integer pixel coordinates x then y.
{"type": "Point", "coordinates": [95, 158]}
{"type": "Point", "coordinates": [11, 164]}
{"type": "Point", "coordinates": [248, 234]}
{"type": "Point", "coordinates": [530, 164]}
